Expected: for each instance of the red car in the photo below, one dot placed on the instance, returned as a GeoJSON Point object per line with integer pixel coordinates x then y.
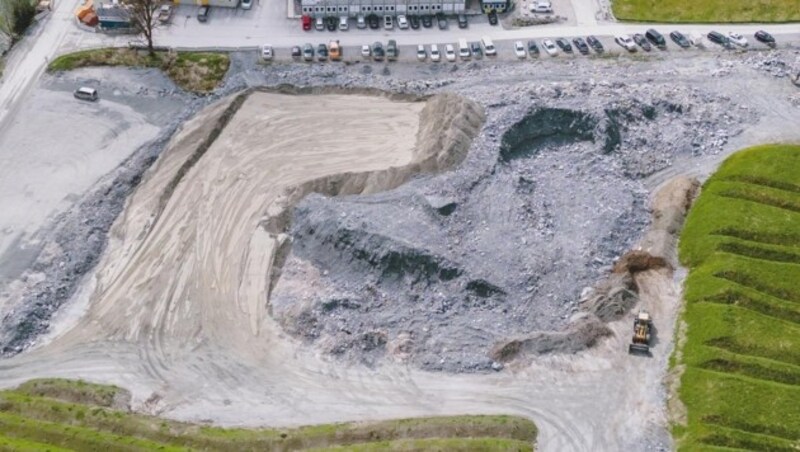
{"type": "Point", "coordinates": [306, 22]}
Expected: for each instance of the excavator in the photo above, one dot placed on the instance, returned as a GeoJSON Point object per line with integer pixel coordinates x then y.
{"type": "Point", "coordinates": [642, 329]}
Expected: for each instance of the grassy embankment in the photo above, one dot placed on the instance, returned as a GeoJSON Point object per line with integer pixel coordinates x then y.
{"type": "Point", "coordinates": [706, 11]}
{"type": "Point", "coordinates": [60, 415]}
{"type": "Point", "coordinates": [741, 383]}
{"type": "Point", "coordinates": [198, 72]}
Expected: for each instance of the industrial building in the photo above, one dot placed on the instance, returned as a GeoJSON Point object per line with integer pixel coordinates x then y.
{"type": "Point", "coordinates": [352, 8]}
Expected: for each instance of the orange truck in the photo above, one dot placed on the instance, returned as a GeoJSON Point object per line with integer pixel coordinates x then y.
{"type": "Point", "coordinates": [335, 50]}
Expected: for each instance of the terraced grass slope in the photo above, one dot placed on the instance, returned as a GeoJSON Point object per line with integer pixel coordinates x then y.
{"type": "Point", "coordinates": [741, 384]}
{"type": "Point", "coordinates": [60, 415]}
{"type": "Point", "coordinates": [706, 11]}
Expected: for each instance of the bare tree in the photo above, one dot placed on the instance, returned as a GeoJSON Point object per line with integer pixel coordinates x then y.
{"type": "Point", "coordinates": [144, 15]}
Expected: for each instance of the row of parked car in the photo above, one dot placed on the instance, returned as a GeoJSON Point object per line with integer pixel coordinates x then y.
{"type": "Point", "coordinates": [375, 22]}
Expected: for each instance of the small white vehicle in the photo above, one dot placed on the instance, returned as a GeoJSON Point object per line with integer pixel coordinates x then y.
{"type": "Point", "coordinates": [542, 7]}
{"type": "Point", "coordinates": [86, 93]}
{"type": "Point", "coordinates": [450, 52]}
{"type": "Point", "coordinates": [488, 46]}
{"type": "Point", "coordinates": [402, 22]}
{"type": "Point", "coordinates": [165, 13]}
{"type": "Point", "coordinates": [343, 25]}
{"type": "Point", "coordinates": [266, 52]}
{"type": "Point", "coordinates": [246, 4]}
{"type": "Point", "coordinates": [361, 21]}
{"type": "Point", "coordinates": [422, 54]}
{"type": "Point", "coordinates": [519, 50]}
{"type": "Point", "coordinates": [463, 49]}
{"type": "Point", "coordinates": [738, 39]}
{"type": "Point", "coordinates": [319, 24]}
{"type": "Point", "coordinates": [550, 47]}
{"type": "Point", "coordinates": [625, 42]}
{"type": "Point", "coordinates": [366, 51]}
{"type": "Point", "coordinates": [435, 55]}
{"type": "Point", "coordinates": [388, 22]}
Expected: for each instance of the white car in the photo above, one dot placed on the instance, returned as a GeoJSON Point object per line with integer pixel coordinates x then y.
{"type": "Point", "coordinates": [625, 42]}
{"type": "Point", "coordinates": [246, 4]}
{"type": "Point", "coordinates": [266, 52]}
{"type": "Point", "coordinates": [450, 52]}
{"type": "Point", "coordinates": [388, 22]}
{"type": "Point", "coordinates": [519, 49]}
{"type": "Point", "coordinates": [319, 24]}
{"type": "Point", "coordinates": [550, 47]}
{"type": "Point", "coordinates": [542, 6]}
{"type": "Point", "coordinates": [366, 51]}
{"type": "Point", "coordinates": [402, 22]}
{"type": "Point", "coordinates": [422, 54]}
{"type": "Point", "coordinates": [738, 39]}
{"type": "Point", "coordinates": [435, 55]}
{"type": "Point", "coordinates": [361, 21]}
{"type": "Point", "coordinates": [343, 25]}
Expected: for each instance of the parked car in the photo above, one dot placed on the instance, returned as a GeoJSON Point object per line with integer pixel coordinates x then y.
{"type": "Point", "coordinates": [296, 52]}
{"type": "Point", "coordinates": [427, 21]}
{"type": "Point", "coordinates": [331, 23]}
{"type": "Point", "coordinates": [476, 49]}
{"type": "Point", "coordinates": [391, 50]}
{"type": "Point", "coordinates": [202, 13]}
{"type": "Point", "coordinates": [322, 52]}
{"type": "Point", "coordinates": [435, 55]}
{"type": "Point", "coordinates": [462, 21]}
{"type": "Point", "coordinates": [422, 54]}
{"type": "Point", "coordinates": [719, 38]}
{"type": "Point", "coordinates": [267, 53]}
{"type": "Point", "coordinates": [463, 50]}
{"type": "Point", "coordinates": [519, 49]}
{"type": "Point", "coordinates": [450, 52]}
{"type": "Point", "coordinates": [343, 25]}
{"type": "Point", "coordinates": [374, 21]}
{"type": "Point", "coordinates": [388, 22]}
{"type": "Point", "coordinates": [595, 44]}
{"type": "Point", "coordinates": [246, 4]}
{"type": "Point", "coordinates": [377, 51]}
{"type": "Point", "coordinates": [642, 42]}
{"type": "Point", "coordinates": [766, 38]}
{"type": "Point", "coordinates": [402, 22]}
{"type": "Point", "coordinates": [305, 21]}
{"type": "Point", "coordinates": [366, 51]}
{"type": "Point", "coordinates": [738, 39]}
{"type": "Point", "coordinates": [696, 39]}
{"type": "Point", "coordinates": [533, 49]}
{"type": "Point", "coordinates": [550, 47]}
{"type": "Point", "coordinates": [581, 45]}
{"type": "Point", "coordinates": [335, 50]}
{"type": "Point", "coordinates": [564, 45]}
{"type": "Point", "coordinates": [319, 24]}
{"type": "Point", "coordinates": [679, 39]}
{"type": "Point", "coordinates": [441, 20]}
{"type": "Point", "coordinates": [414, 22]}
{"type": "Point", "coordinates": [165, 13]}
{"type": "Point", "coordinates": [86, 93]}
{"type": "Point", "coordinates": [308, 52]}
{"type": "Point", "coordinates": [488, 46]}
{"type": "Point", "coordinates": [361, 22]}
{"type": "Point", "coordinates": [625, 42]}
{"type": "Point", "coordinates": [542, 7]}
{"type": "Point", "coordinates": [656, 38]}
{"type": "Point", "coordinates": [492, 17]}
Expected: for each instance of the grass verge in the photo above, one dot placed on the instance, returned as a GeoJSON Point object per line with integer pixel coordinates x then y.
{"type": "Point", "coordinates": [742, 354]}
{"type": "Point", "coordinates": [706, 11]}
{"type": "Point", "coordinates": [198, 72]}
{"type": "Point", "coordinates": [43, 414]}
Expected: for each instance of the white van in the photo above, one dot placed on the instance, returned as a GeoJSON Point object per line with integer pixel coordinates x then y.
{"type": "Point", "coordinates": [463, 49]}
{"type": "Point", "coordinates": [488, 46]}
{"type": "Point", "coordinates": [86, 93]}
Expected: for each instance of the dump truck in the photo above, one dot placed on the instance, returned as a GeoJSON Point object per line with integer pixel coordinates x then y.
{"type": "Point", "coordinates": [642, 332]}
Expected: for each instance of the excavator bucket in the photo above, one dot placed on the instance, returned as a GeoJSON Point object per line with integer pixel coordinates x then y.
{"type": "Point", "coordinates": [643, 349]}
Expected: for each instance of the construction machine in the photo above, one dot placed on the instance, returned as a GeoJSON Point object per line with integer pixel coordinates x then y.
{"type": "Point", "coordinates": [642, 330]}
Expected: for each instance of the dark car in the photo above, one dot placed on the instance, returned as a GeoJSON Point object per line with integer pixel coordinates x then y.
{"type": "Point", "coordinates": [296, 52]}
{"type": "Point", "coordinates": [533, 49]}
{"type": "Point", "coordinates": [719, 38]}
{"type": "Point", "coordinates": [441, 20]}
{"type": "Point", "coordinates": [492, 17]}
{"type": "Point", "coordinates": [642, 42]}
{"type": "Point", "coordinates": [766, 38]}
{"type": "Point", "coordinates": [595, 44]}
{"type": "Point", "coordinates": [377, 51]}
{"type": "Point", "coordinates": [331, 23]}
{"type": "Point", "coordinates": [656, 38]}
{"type": "Point", "coordinates": [580, 44]}
{"type": "Point", "coordinates": [374, 21]}
{"type": "Point", "coordinates": [322, 52]}
{"type": "Point", "coordinates": [476, 49]}
{"type": "Point", "coordinates": [564, 44]}
{"type": "Point", "coordinates": [680, 39]}
{"type": "Point", "coordinates": [462, 21]}
{"type": "Point", "coordinates": [427, 21]}
{"type": "Point", "coordinates": [414, 22]}
{"type": "Point", "coordinates": [202, 13]}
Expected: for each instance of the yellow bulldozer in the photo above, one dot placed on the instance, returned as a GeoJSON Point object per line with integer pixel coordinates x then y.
{"type": "Point", "coordinates": [642, 331]}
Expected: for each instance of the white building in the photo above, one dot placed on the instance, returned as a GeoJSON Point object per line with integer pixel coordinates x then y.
{"type": "Point", "coordinates": [352, 8]}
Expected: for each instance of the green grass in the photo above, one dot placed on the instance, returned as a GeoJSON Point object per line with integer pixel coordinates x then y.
{"type": "Point", "coordinates": [741, 241]}
{"type": "Point", "coordinates": [67, 415]}
{"type": "Point", "coordinates": [198, 72]}
{"type": "Point", "coordinates": [706, 11]}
